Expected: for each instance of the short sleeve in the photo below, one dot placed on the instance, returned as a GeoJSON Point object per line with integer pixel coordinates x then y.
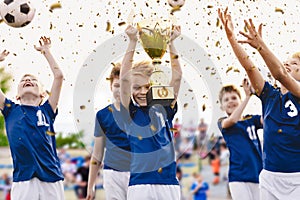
{"type": "Point", "coordinates": [220, 123]}
{"type": "Point", "coordinates": [47, 107]}
{"type": "Point", "coordinates": [8, 107]}
{"type": "Point", "coordinates": [98, 131]}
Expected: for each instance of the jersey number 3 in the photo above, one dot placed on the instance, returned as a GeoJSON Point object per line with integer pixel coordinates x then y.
{"type": "Point", "coordinates": [293, 110]}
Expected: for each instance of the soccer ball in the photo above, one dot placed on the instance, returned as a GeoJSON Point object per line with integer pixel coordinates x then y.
{"type": "Point", "coordinates": [176, 3]}
{"type": "Point", "coordinates": [16, 13]}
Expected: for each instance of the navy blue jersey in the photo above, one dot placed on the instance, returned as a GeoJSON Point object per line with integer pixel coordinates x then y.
{"type": "Point", "coordinates": [117, 155]}
{"type": "Point", "coordinates": [153, 154]}
{"type": "Point", "coordinates": [245, 149]}
{"type": "Point", "coordinates": [281, 130]}
{"type": "Point", "coordinates": [32, 141]}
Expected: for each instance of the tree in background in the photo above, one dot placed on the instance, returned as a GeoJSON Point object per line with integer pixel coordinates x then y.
{"type": "Point", "coordinates": [5, 79]}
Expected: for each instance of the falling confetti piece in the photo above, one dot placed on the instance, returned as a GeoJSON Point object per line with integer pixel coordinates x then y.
{"type": "Point", "coordinates": [279, 130]}
{"type": "Point", "coordinates": [108, 26]}
{"type": "Point", "coordinates": [82, 107]}
{"type": "Point", "coordinates": [229, 69]}
{"type": "Point", "coordinates": [140, 137]}
{"type": "Point", "coordinates": [175, 9]}
{"type": "Point", "coordinates": [218, 22]}
{"type": "Point", "coordinates": [279, 10]}
{"type": "Point", "coordinates": [153, 128]}
{"type": "Point", "coordinates": [217, 43]}
{"type": "Point", "coordinates": [185, 105]}
{"type": "Point", "coordinates": [55, 6]}
{"type": "Point", "coordinates": [203, 107]}
{"type": "Point", "coordinates": [173, 129]}
{"type": "Point", "coordinates": [94, 162]}
{"type": "Point", "coordinates": [236, 70]}
{"type": "Point", "coordinates": [8, 105]}
{"type": "Point", "coordinates": [121, 23]}
{"type": "Point", "coordinates": [159, 170]}
{"type": "Point", "coordinates": [209, 6]}
{"type": "Point", "coordinates": [110, 109]}
{"type": "Point", "coordinates": [50, 133]}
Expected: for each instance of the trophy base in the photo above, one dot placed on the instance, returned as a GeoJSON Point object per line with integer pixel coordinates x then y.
{"type": "Point", "coordinates": [163, 95]}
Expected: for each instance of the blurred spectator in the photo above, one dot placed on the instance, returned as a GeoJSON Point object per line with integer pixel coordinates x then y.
{"type": "Point", "coordinates": [68, 169]}
{"type": "Point", "coordinates": [214, 158]}
{"type": "Point", "coordinates": [63, 155]}
{"type": "Point", "coordinates": [224, 159]}
{"type": "Point", "coordinates": [5, 186]}
{"type": "Point", "coordinates": [177, 135]}
{"type": "Point", "coordinates": [202, 129]}
{"type": "Point", "coordinates": [82, 175]}
{"type": "Point", "coordinates": [199, 188]}
{"type": "Point", "coordinates": [185, 149]}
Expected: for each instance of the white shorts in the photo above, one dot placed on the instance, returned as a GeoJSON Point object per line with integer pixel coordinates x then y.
{"type": "Point", "coordinates": [153, 192]}
{"type": "Point", "coordinates": [115, 184]}
{"type": "Point", "coordinates": [244, 190]}
{"type": "Point", "coordinates": [276, 185]}
{"type": "Point", "coordinates": [34, 189]}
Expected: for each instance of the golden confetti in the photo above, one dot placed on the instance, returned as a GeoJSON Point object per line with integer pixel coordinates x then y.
{"type": "Point", "coordinates": [174, 57]}
{"type": "Point", "coordinates": [185, 105]}
{"type": "Point", "coordinates": [175, 9]}
{"type": "Point", "coordinates": [108, 26]}
{"type": "Point", "coordinates": [121, 23]}
{"type": "Point", "coordinates": [55, 6]}
{"type": "Point", "coordinates": [50, 133]}
{"type": "Point", "coordinates": [159, 170]}
{"type": "Point", "coordinates": [82, 107]}
{"type": "Point", "coordinates": [217, 43]}
{"type": "Point", "coordinates": [94, 162]}
{"type": "Point", "coordinates": [218, 22]}
{"type": "Point", "coordinates": [279, 130]}
{"type": "Point", "coordinates": [229, 69]}
{"type": "Point", "coordinates": [140, 137]}
{"type": "Point", "coordinates": [153, 128]}
{"type": "Point", "coordinates": [173, 129]}
{"type": "Point", "coordinates": [110, 109]}
{"type": "Point", "coordinates": [172, 105]}
{"type": "Point", "coordinates": [209, 6]}
{"type": "Point", "coordinates": [236, 70]}
{"type": "Point", "coordinates": [203, 107]}
{"type": "Point", "coordinates": [8, 105]}
{"type": "Point", "coordinates": [279, 10]}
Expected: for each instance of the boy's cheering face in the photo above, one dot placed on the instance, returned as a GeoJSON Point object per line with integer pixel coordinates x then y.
{"type": "Point", "coordinates": [139, 88]}
{"type": "Point", "coordinates": [230, 101]}
{"type": "Point", "coordinates": [29, 85]}
{"type": "Point", "coordinates": [292, 66]}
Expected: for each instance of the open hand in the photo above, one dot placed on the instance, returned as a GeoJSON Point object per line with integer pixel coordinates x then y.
{"type": "Point", "coordinates": [176, 31]}
{"type": "Point", "coordinates": [3, 55]}
{"type": "Point", "coordinates": [253, 37]}
{"type": "Point", "coordinates": [45, 44]}
{"type": "Point", "coordinates": [225, 18]}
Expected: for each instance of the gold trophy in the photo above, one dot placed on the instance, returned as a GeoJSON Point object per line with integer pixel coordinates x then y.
{"type": "Point", "coordinates": [155, 41]}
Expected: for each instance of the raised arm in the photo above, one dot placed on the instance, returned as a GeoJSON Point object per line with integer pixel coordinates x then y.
{"type": "Point", "coordinates": [2, 95]}
{"type": "Point", "coordinates": [252, 71]}
{"type": "Point", "coordinates": [125, 82]}
{"type": "Point", "coordinates": [95, 165]}
{"type": "Point", "coordinates": [175, 64]}
{"type": "Point", "coordinates": [237, 113]}
{"type": "Point", "coordinates": [44, 48]}
{"type": "Point", "coordinates": [276, 67]}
